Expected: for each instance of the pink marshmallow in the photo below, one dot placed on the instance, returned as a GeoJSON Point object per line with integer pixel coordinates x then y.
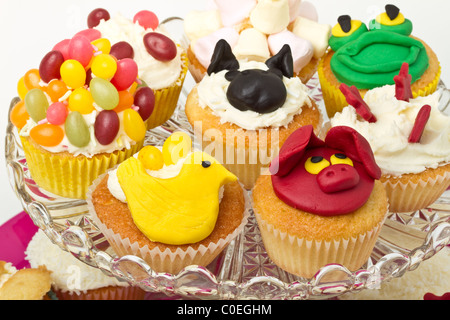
{"type": "Point", "coordinates": [294, 9]}
{"type": "Point", "coordinates": [233, 12]}
{"type": "Point", "coordinates": [308, 10]}
{"type": "Point", "coordinates": [302, 50]}
{"type": "Point", "coordinates": [204, 47]}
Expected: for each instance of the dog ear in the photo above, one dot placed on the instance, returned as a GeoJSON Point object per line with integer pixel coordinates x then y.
{"type": "Point", "coordinates": [282, 61]}
{"type": "Point", "coordinates": [222, 58]}
{"type": "Point", "coordinates": [355, 146]}
{"type": "Point", "coordinates": [293, 149]}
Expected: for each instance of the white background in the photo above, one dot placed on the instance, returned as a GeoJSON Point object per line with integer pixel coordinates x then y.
{"type": "Point", "coordinates": [30, 28]}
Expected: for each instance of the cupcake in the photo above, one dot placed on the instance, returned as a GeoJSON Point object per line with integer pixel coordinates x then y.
{"type": "Point", "coordinates": [171, 206]}
{"type": "Point", "coordinates": [322, 203]}
{"type": "Point", "coordinates": [257, 30]}
{"type": "Point", "coordinates": [242, 111]}
{"type": "Point", "coordinates": [368, 57]}
{"type": "Point", "coordinates": [409, 137]}
{"type": "Point", "coordinates": [162, 64]}
{"type": "Point", "coordinates": [82, 112]}
{"type": "Point", "coordinates": [23, 284]}
{"type": "Point", "coordinates": [73, 279]}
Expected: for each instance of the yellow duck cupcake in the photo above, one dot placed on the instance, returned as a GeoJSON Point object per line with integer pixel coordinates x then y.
{"type": "Point", "coordinates": [172, 207]}
{"type": "Point", "coordinates": [370, 56]}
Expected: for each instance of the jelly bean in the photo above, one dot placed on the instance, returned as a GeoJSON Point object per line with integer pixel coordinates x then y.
{"type": "Point", "coordinates": [106, 126]}
{"type": "Point", "coordinates": [50, 65]}
{"type": "Point", "coordinates": [73, 73]}
{"type": "Point", "coordinates": [103, 45]}
{"type": "Point", "coordinates": [32, 79]}
{"type": "Point", "coordinates": [21, 88]}
{"type": "Point", "coordinates": [160, 47]}
{"type": "Point", "coordinates": [144, 98]}
{"type": "Point", "coordinates": [126, 74]}
{"type": "Point", "coordinates": [104, 66]}
{"type": "Point", "coordinates": [63, 47]}
{"type": "Point", "coordinates": [151, 157]}
{"type": "Point", "coordinates": [80, 49]}
{"type": "Point", "coordinates": [133, 125]}
{"type": "Point", "coordinates": [56, 89]}
{"type": "Point", "coordinates": [126, 101]}
{"type": "Point", "coordinates": [88, 77]}
{"type": "Point", "coordinates": [81, 100]}
{"type": "Point", "coordinates": [36, 104]}
{"type": "Point", "coordinates": [104, 93]}
{"type": "Point", "coordinates": [132, 89]}
{"type": "Point", "coordinates": [122, 50]}
{"type": "Point", "coordinates": [77, 131]}
{"type": "Point", "coordinates": [96, 16]}
{"type": "Point", "coordinates": [47, 135]}
{"type": "Point", "coordinates": [90, 34]}
{"type": "Point", "coordinates": [146, 19]}
{"type": "Point", "coordinates": [176, 147]}
{"type": "Point", "coordinates": [57, 113]}
{"type": "Point", "coordinates": [19, 115]}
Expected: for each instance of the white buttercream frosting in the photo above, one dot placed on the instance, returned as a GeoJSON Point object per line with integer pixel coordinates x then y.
{"type": "Point", "coordinates": [212, 93]}
{"type": "Point", "coordinates": [156, 74]}
{"type": "Point", "coordinates": [8, 271]}
{"type": "Point", "coordinates": [388, 136]}
{"type": "Point", "coordinates": [67, 272]}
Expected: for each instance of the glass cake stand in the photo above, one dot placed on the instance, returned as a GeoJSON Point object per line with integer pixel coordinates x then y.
{"type": "Point", "coordinates": [243, 270]}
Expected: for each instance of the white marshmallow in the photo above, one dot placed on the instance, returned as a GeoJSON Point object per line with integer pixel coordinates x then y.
{"type": "Point", "coordinates": [270, 16]}
{"type": "Point", "coordinates": [252, 45]}
{"type": "Point", "coordinates": [233, 12]}
{"type": "Point", "coordinates": [198, 24]}
{"type": "Point", "coordinates": [318, 34]}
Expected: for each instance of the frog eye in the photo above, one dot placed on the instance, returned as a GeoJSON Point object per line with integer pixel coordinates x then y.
{"type": "Point", "coordinates": [316, 164]}
{"type": "Point", "coordinates": [340, 158]}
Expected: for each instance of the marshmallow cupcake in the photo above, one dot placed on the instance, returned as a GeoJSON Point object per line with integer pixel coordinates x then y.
{"type": "Point", "coordinates": [256, 31]}
{"type": "Point", "coordinates": [243, 111]}
{"type": "Point", "coordinates": [409, 137]}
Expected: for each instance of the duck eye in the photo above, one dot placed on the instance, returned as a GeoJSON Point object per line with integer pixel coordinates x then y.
{"type": "Point", "coordinates": [206, 164]}
{"type": "Point", "coordinates": [340, 158]}
{"type": "Point", "coordinates": [316, 164]}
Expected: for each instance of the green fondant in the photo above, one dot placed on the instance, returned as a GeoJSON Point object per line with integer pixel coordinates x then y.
{"type": "Point", "coordinates": [404, 28]}
{"type": "Point", "coordinates": [337, 42]}
{"type": "Point", "coordinates": [376, 57]}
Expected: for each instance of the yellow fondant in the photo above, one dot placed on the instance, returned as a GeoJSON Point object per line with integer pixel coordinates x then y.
{"type": "Point", "coordinates": [336, 160]}
{"type": "Point", "coordinates": [176, 147]}
{"type": "Point", "coordinates": [151, 157]}
{"type": "Point", "coordinates": [338, 32]}
{"type": "Point", "coordinates": [316, 167]}
{"type": "Point", "coordinates": [384, 19]}
{"type": "Point", "coordinates": [178, 210]}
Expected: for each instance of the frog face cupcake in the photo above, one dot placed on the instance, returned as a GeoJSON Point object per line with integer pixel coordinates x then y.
{"type": "Point", "coordinates": [162, 64]}
{"type": "Point", "coordinates": [368, 57]}
{"type": "Point", "coordinates": [81, 113]}
{"type": "Point", "coordinates": [172, 207]}
{"type": "Point", "coordinates": [257, 30]}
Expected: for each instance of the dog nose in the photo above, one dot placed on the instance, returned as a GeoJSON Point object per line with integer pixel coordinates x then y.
{"type": "Point", "coordinates": [337, 178]}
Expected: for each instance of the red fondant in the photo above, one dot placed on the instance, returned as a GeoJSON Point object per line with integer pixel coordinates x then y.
{"type": "Point", "coordinates": [343, 191]}
{"type": "Point", "coordinates": [419, 125]}
{"type": "Point", "coordinates": [354, 99]}
{"type": "Point", "coordinates": [403, 84]}
{"type": "Point", "coordinates": [431, 296]}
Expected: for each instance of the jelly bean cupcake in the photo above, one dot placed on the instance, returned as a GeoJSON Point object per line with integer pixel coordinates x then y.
{"type": "Point", "coordinates": [242, 111]}
{"type": "Point", "coordinates": [368, 57]}
{"type": "Point", "coordinates": [410, 138]}
{"type": "Point", "coordinates": [257, 30]}
{"type": "Point", "coordinates": [162, 64]}
{"type": "Point", "coordinates": [75, 280]}
{"type": "Point", "coordinates": [82, 112]}
{"type": "Point", "coordinates": [322, 203]}
{"type": "Point", "coordinates": [171, 206]}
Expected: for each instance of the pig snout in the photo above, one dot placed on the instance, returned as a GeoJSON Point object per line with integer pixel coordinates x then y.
{"type": "Point", "coordinates": [337, 178]}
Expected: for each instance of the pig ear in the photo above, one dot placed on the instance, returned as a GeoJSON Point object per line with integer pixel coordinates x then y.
{"type": "Point", "coordinates": [282, 61]}
{"type": "Point", "coordinates": [222, 58]}
{"type": "Point", "coordinates": [293, 149]}
{"type": "Point", "coordinates": [355, 146]}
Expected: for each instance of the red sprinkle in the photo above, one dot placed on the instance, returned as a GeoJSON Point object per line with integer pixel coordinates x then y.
{"type": "Point", "coordinates": [403, 84]}
{"type": "Point", "coordinates": [419, 125]}
{"type": "Point", "coordinates": [354, 99]}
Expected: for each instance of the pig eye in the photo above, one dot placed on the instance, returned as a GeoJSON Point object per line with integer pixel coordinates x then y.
{"type": "Point", "coordinates": [316, 164]}
{"type": "Point", "coordinates": [340, 158]}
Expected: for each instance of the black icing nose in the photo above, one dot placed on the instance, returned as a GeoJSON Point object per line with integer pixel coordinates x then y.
{"type": "Point", "coordinates": [206, 164]}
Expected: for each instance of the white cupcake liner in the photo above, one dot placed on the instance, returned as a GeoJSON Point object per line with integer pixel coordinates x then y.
{"type": "Point", "coordinates": [165, 261]}
{"type": "Point", "coordinates": [108, 293]}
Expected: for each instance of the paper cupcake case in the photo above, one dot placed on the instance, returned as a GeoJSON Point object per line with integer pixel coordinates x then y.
{"type": "Point", "coordinates": [165, 261]}
{"type": "Point", "coordinates": [106, 293]}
